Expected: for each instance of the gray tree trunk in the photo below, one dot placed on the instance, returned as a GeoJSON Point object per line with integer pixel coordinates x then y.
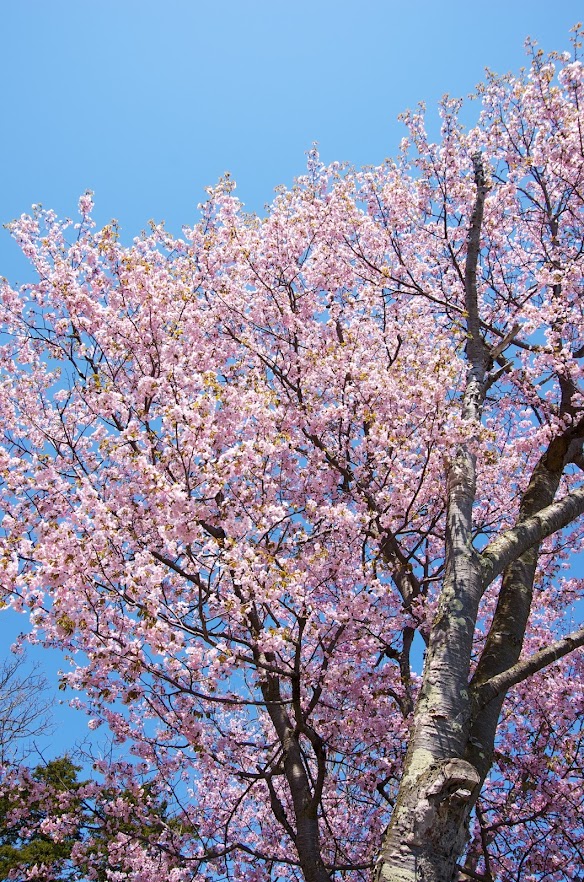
{"type": "Point", "coordinates": [428, 830]}
{"type": "Point", "coordinates": [455, 718]}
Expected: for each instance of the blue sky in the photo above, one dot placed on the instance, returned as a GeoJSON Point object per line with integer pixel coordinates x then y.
{"type": "Point", "coordinates": [147, 103]}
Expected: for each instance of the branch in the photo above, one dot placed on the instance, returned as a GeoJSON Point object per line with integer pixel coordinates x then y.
{"type": "Point", "coordinates": [508, 547]}
{"type": "Point", "coordinates": [278, 808]}
{"type": "Point", "coordinates": [403, 575]}
{"type": "Point", "coordinates": [496, 351]}
{"type": "Point", "coordinates": [529, 666]}
{"type": "Point", "coordinates": [473, 875]}
{"type": "Point", "coordinates": [475, 347]}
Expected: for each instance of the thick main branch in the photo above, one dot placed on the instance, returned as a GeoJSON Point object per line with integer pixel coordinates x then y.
{"type": "Point", "coordinates": [508, 547]}
{"type": "Point", "coordinates": [527, 667]}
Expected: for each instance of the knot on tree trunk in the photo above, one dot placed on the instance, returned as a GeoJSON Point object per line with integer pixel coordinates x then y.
{"type": "Point", "coordinates": [429, 829]}
{"type": "Point", "coordinates": [444, 793]}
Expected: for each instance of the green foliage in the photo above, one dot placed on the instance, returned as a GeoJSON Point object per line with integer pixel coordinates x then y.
{"type": "Point", "coordinates": [24, 807]}
{"type": "Point", "coordinates": [35, 803]}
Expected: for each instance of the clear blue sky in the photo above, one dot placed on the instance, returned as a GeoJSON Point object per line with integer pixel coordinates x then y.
{"type": "Point", "coordinates": [147, 103]}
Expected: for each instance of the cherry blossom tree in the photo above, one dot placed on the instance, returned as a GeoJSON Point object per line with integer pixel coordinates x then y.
{"type": "Point", "coordinates": [249, 471]}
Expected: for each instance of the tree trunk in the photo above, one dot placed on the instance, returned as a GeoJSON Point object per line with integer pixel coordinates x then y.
{"type": "Point", "coordinates": [305, 798]}
{"type": "Point", "coordinates": [428, 829]}
{"type": "Point", "coordinates": [428, 832]}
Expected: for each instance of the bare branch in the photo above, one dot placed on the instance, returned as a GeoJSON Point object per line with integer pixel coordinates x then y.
{"type": "Point", "coordinates": [529, 666]}
{"type": "Point", "coordinates": [24, 706]}
{"type": "Point", "coordinates": [496, 351]}
{"type": "Point", "coordinates": [508, 547]}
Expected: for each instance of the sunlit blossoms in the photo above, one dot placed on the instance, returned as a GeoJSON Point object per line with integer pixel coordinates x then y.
{"type": "Point", "coordinates": [249, 474]}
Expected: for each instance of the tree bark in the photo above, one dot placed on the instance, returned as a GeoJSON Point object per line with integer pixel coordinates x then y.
{"type": "Point", "coordinates": [304, 827]}
{"type": "Point", "coordinates": [428, 829]}
{"type": "Point", "coordinates": [306, 835]}
{"type": "Point", "coordinates": [455, 721]}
